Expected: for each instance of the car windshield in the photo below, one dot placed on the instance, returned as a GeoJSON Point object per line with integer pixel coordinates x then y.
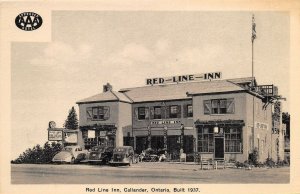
{"type": "Point", "coordinates": [67, 149]}
{"type": "Point", "coordinates": [98, 149]}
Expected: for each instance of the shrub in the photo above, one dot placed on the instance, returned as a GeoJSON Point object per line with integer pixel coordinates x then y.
{"type": "Point", "coordinates": [38, 154]}
{"type": "Point", "coordinates": [239, 164]}
{"type": "Point", "coordinates": [253, 157]}
{"type": "Point", "coordinates": [270, 162]}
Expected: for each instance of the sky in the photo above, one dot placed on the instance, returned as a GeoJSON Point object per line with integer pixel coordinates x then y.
{"type": "Point", "coordinates": [90, 48]}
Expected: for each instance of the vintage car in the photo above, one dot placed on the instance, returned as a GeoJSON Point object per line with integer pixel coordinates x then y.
{"type": "Point", "coordinates": [70, 154]}
{"type": "Point", "coordinates": [150, 156]}
{"type": "Point", "coordinates": [123, 155]}
{"type": "Point", "coordinates": [100, 154]}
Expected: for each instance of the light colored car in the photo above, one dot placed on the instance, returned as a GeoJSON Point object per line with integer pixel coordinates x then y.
{"type": "Point", "coordinates": [123, 155]}
{"type": "Point", "coordinates": [70, 154]}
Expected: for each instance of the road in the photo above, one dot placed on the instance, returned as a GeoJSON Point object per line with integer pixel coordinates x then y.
{"type": "Point", "coordinates": [142, 173]}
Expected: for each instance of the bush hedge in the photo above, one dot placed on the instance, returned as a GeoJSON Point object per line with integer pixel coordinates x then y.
{"type": "Point", "coordinates": [38, 154]}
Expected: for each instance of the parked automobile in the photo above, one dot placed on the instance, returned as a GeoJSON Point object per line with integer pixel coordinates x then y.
{"type": "Point", "coordinates": [123, 155]}
{"type": "Point", "coordinates": [150, 156]}
{"type": "Point", "coordinates": [70, 154]}
{"type": "Point", "coordinates": [100, 154]}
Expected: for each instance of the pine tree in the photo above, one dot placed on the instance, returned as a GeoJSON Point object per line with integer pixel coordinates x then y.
{"type": "Point", "coordinates": [72, 121]}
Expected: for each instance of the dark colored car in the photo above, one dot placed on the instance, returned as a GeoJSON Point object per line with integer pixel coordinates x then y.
{"type": "Point", "coordinates": [100, 154]}
{"type": "Point", "coordinates": [123, 155]}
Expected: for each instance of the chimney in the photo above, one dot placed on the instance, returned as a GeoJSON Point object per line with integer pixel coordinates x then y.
{"type": "Point", "coordinates": [107, 87]}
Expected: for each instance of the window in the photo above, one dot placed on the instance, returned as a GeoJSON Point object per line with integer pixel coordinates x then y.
{"type": "Point", "coordinates": [141, 113]}
{"type": "Point", "coordinates": [219, 106]}
{"type": "Point", "coordinates": [98, 113]}
{"type": "Point", "coordinates": [189, 110]}
{"type": "Point", "coordinates": [205, 139]}
{"type": "Point", "coordinates": [233, 140]}
{"type": "Point", "coordinates": [157, 112]}
{"type": "Point", "coordinates": [173, 111]}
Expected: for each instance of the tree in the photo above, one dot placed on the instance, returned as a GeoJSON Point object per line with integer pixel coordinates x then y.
{"type": "Point", "coordinates": [286, 120]}
{"type": "Point", "coordinates": [72, 121]}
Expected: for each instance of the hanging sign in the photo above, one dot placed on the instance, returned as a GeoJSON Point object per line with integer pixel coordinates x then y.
{"type": "Point", "coordinates": [262, 126]}
{"type": "Point", "coordinates": [183, 78]}
{"type": "Point", "coordinates": [102, 133]}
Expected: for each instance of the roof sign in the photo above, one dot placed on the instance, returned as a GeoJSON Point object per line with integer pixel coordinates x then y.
{"type": "Point", "coordinates": [183, 78]}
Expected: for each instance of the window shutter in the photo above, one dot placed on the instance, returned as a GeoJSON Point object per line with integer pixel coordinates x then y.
{"type": "Point", "coordinates": [185, 110]}
{"type": "Point", "coordinates": [230, 105]}
{"type": "Point", "coordinates": [89, 111]}
{"type": "Point", "coordinates": [168, 112]}
{"type": "Point", "coordinates": [179, 111]}
{"type": "Point", "coordinates": [207, 106]}
{"type": "Point", "coordinates": [147, 113]}
{"type": "Point", "coordinates": [106, 112]}
{"type": "Point", "coordinates": [151, 112]}
{"type": "Point", "coordinates": [136, 113]}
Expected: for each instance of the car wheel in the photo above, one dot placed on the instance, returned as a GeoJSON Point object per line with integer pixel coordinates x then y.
{"type": "Point", "coordinates": [104, 161]}
{"type": "Point", "coordinates": [72, 160]}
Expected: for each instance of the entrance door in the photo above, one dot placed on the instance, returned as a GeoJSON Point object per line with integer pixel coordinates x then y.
{"type": "Point", "coordinates": [219, 148]}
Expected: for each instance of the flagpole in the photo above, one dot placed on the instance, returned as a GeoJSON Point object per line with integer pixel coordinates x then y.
{"type": "Point", "coordinates": [252, 74]}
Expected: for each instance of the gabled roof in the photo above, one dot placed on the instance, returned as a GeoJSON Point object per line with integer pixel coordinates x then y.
{"type": "Point", "coordinates": [104, 97]}
{"type": "Point", "coordinates": [179, 91]}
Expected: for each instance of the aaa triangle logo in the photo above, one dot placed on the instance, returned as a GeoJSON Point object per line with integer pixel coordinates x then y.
{"type": "Point", "coordinates": [28, 21]}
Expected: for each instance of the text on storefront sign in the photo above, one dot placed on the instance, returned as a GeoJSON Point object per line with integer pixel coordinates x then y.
{"type": "Point", "coordinates": [164, 122]}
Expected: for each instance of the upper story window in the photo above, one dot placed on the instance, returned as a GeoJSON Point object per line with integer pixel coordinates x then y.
{"type": "Point", "coordinates": [141, 113]}
{"type": "Point", "coordinates": [173, 111]}
{"type": "Point", "coordinates": [189, 111]}
{"type": "Point", "coordinates": [98, 113]}
{"type": "Point", "coordinates": [219, 106]}
{"type": "Point", "coordinates": [157, 112]}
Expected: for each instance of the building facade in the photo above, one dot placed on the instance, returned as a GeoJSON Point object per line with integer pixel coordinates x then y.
{"type": "Point", "coordinates": [103, 118]}
{"type": "Point", "coordinates": [226, 119]}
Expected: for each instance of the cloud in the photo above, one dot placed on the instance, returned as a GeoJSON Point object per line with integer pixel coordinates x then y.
{"type": "Point", "coordinates": [135, 52]}
{"type": "Point", "coordinates": [62, 56]}
{"type": "Point", "coordinates": [161, 47]}
{"type": "Point", "coordinates": [139, 60]}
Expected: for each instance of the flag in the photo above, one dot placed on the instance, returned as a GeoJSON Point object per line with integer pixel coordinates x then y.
{"type": "Point", "coordinates": [253, 29]}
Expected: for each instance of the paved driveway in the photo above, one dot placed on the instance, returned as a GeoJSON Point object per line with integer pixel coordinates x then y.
{"type": "Point", "coordinates": [142, 173]}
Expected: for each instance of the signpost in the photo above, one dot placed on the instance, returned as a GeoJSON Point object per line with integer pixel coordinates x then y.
{"type": "Point", "coordinates": [55, 135]}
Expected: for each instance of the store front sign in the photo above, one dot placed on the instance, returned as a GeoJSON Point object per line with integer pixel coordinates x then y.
{"type": "Point", "coordinates": [183, 78]}
{"type": "Point", "coordinates": [54, 135]}
{"type": "Point", "coordinates": [164, 122]}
